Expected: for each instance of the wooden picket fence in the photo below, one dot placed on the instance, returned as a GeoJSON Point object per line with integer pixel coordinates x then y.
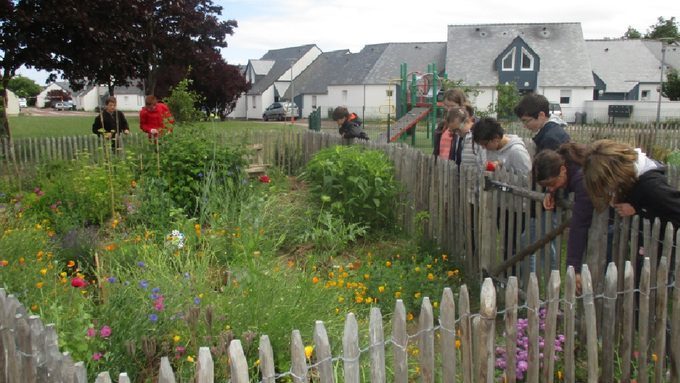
{"type": "Point", "coordinates": [459, 346]}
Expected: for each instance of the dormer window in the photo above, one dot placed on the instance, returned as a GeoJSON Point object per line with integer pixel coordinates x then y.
{"type": "Point", "coordinates": [527, 60]}
{"type": "Point", "coordinates": [509, 60]}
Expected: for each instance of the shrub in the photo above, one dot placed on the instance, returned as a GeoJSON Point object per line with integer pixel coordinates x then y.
{"type": "Point", "coordinates": [182, 102]}
{"type": "Point", "coordinates": [190, 162]}
{"type": "Point", "coordinates": [358, 183]}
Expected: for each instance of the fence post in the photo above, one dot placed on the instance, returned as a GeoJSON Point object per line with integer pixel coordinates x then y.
{"type": "Point", "coordinates": [426, 341]}
{"type": "Point", "coordinates": [447, 319]}
{"type": "Point", "coordinates": [297, 355]}
{"type": "Point", "coordinates": [569, 325]}
{"type": "Point", "coordinates": [465, 333]}
{"type": "Point", "coordinates": [532, 331]}
{"type": "Point", "coordinates": [675, 320]}
{"type": "Point", "coordinates": [165, 373]}
{"type": "Point", "coordinates": [487, 312]}
{"type": "Point", "coordinates": [400, 343]}
{"type": "Point", "coordinates": [551, 326]}
{"type": "Point", "coordinates": [609, 312]}
{"type": "Point", "coordinates": [377, 346]}
{"type": "Point", "coordinates": [266, 353]}
{"type": "Point", "coordinates": [643, 320]}
{"type": "Point", "coordinates": [205, 367]}
{"type": "Point", "coordinates": [591, 324]}
{"type": "Point", "coordinates": [237, 362]}
{"type": "Point", "coordinates": [322, 353]}
{"type": "Point", "coordinates": [628, 319]}
{"type": "Point", "coordinates": [661, 310]}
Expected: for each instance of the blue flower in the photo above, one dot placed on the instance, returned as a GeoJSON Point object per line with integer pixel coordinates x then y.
{"type": "Point", "coordinates": [141, 264]}
{"type": "Point", "coordinates": [111, 279]}
{"type": "Point", "coordinates": [197, 300]}
{"type": "Point", "coordinates": [153, 317]}
{"type": "Point", "coordinates": [143, 284]}
{"type": "Point", "coordinates": [156, 290]}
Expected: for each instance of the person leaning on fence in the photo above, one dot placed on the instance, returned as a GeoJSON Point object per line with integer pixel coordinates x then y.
{"type": "Point", "coordinates": [110, 123]}
{"type": "Point", "coordinates": [561, 170]}
{"type": "Point", "coordinates": [444, 134]}
{"type": "Point", "coordinates": [155, 118]}
{"type": "Point", "coordinates": [466, 152]}
{"type": "Point", "coordinates": [349, 124]}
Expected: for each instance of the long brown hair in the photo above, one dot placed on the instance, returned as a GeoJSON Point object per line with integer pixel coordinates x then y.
{"type": "Point", "coordinates": [609, 172]}
{"type": "Point", "coordinates": [547, 162]}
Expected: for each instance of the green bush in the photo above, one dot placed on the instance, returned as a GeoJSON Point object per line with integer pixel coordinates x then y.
{"type": "Point", "coordinates": [359, 182]}
{"type": "Point", "coordinates": [191, 162]}
{"type": "Point", "coordinates": [182, 102]}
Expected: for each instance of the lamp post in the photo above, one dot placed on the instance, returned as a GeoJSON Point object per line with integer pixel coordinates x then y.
{"type": "Point", "coordinates": [658, 104]}
{"type": "Point", "coordinates": [292, 93]}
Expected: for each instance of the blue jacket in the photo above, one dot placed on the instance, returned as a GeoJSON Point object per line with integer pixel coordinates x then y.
{"type": "Point", "coordinates": [551, 136]}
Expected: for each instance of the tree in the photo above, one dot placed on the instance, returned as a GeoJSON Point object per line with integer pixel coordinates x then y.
{"type": "Point", "coordinates": [219, 83]}
{"type": "Point", "coordinates": [23, 87]}
{"type": "Point", "coordinates": [671, 87]}
{"type": "Point", "coordinates": [508, 97]}
{"type": "Point", "coordinates": [632, 33]}
{"type": "Point", "coordinates": [663, 29]}
{"type": "Point", "coordinates": [56, 95]}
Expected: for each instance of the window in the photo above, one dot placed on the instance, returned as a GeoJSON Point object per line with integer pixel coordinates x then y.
{"type": "Point", "coordinates": [509, 60]}
{"type": "Point", "coordinates": [565, 96]}
{"type": "Point", "coordinates": [344, 97]}
{"type": "Point", "coordinates": [527, 60]}
{"type": "Point", "coordinates": [313, 102]}
{"type": "Point", "coordinates": [645, 95]}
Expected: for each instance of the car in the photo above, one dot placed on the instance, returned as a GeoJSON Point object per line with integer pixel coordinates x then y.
{"type": "Point", "coordinates": [555, 109]}
{"type": "Point", "coordinates": [65, 105]}
{"type": "Point", "coordinates": [280, 111]}
{"type": "Point", "coordinates": [23, 103]}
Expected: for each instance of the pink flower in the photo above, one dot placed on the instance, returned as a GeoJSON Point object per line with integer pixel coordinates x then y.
{"type": "Point", "coordinates": [91, 332]}
{"type": "Point", "coordinates": [265, 179]}
{"type": "Point", "coordinates": [105, 332]}
{"type": "Point", "coordinates": [78, 282]}
{"type": "Point", "coordinates": [158, 304]}
{"type": "Point", "coordinates": [97, 356]}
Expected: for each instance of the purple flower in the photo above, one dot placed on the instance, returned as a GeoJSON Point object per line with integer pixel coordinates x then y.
{"type": "Point", "coordinates": [141, 264]}
{"type": "Point", "coordinates": [197, 300]}
{"type": "Point", "coordinates": [105, 332]}
{"type": "Point", "coordinates": [97, 356]}
{"type": "Point", "coordinates": [111, 279]}
{"type": "Point", "coordinates": [143, 284]}
{"type": "Point", "coordinates": [156, 290]}
{"type": "Point", "coordinates": [153, 317]}
{"type": "Point", "coordinates": [91, 332]}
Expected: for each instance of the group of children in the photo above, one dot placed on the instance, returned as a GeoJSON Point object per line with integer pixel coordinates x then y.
{"type": "Point", "coordinates": [601, 175]}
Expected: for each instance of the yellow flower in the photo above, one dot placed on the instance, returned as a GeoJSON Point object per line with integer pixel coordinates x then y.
{"type": "Point", "coordinates": [114, 223]}
{"type": "Point", "coordinates": [367, 277]}
{"type": "Point", "coordinates": [190, 359]}
{"type": "Point", "coordinates": [38, 226]}
{"type": "Point", "coordinates": [397, 295]}
{"type": "Point", "coordinates": [457, 343]}
{"type": "Point", "coordinates": [4, 263]}
{"type": "Point", "coordinates": [435, 304]}
{"type": "Point", "coordinates": [40, 254]}
{"type": "Point", "coordinates": [417, 295]}
{"type": "Point", "coordinates": [176, 338]}
{"type": "Point", "coordinates": [341, 299]}
{"type": "Point", "coordinates": [381, 289]}
{"type": "Point", "coordinates": [429, 266]}
{"type": "Point", "coordinates": [308, 351]}
{"type": "Point", "coordinates": [388, 264]}
{"type": "Point", "coordinates": [409, 316]}
{"type": "Point", "coordinates": [62, 274]}
{"type": "Point", "coordinates": [257, 363]}
{"type": "Point", "coordinates": [358, 299]}
{"type": "Point", "coordinates": [430, 277]}
{"type": "Point", "coordinates": [34, 308]}
{"type": "Point", "coordinates": [39, 285]}
{"type": "Point", "coordinates": [369, 300]}
{"type": "Point", "coordinates": [43, 271]}
{"type": "Point", "coordinates": [559, 375]}
{"type": "Point", "coordinates": [654, 357]}
{"type": "Point", "coordinates": [417, 269]}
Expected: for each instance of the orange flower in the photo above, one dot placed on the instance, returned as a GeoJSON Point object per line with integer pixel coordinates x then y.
{"type": "Point", "coordinates": [71, 264]}
{"type": "Point", "coordinates": [315, 280]}
{"type": "Point", "coordinates": [133, 184]}
{"type": "Point", "coordinates": [111, 247]}
{"type": "Point", "coordinates": [397, 295]}
{"type": "Point", "coordinates": [457, 343]}
{"type": "Point", "coordinates": [39, 285]}
{"type": "Point", "coordinates": [21, 260]}
{"type": "Point", "coordinates": [4, 263]}
{"type": "Point", "coordinates": [409, 316]}
{"type": "Point", "coordinates": [388, 264]}
{"type": "Point", "coordinates": [430, 277]}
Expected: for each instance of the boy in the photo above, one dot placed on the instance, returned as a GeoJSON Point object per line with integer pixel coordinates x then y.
{"type": "Point", "coordinates": [504, 150]}
{"type": "Point", "coordinates": [349, 124]}
{"type": "Point", "coordinates": [534, 112]}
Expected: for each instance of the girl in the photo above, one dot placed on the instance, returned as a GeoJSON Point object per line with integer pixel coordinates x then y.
{"type": "Point", "coordinates": [443, 136]}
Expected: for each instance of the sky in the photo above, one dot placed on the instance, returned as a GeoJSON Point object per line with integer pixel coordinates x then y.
{"type": "Point", "coordinates": [351, 24]}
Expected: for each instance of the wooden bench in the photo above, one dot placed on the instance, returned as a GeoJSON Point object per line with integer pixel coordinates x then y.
{"type": "Point", "coordinates": [255, 157]}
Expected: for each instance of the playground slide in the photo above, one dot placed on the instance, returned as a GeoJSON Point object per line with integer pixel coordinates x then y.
{"type": "Point", "coordinates": [408, 121]}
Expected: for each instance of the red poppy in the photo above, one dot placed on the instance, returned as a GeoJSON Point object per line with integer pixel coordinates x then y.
{"type": "Point", "coordinates": [78, 282]}
{"type": "Point", "coordinates": [265, 179]}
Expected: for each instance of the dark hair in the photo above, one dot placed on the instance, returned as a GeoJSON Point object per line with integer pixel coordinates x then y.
{"type": "Point", "coordinates": [110, 99]}
{"type": "Point", "coordinates": [340, 112]}
{"type": "Point", "coordinates": [531, 105]}
{"type": "Point", "coordinates": [547, 162]}
{"type": "Point", "coordinates": [486, 129]}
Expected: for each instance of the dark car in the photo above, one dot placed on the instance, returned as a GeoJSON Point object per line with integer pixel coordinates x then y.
{"type": "Point", "coordinates": [280, 111]}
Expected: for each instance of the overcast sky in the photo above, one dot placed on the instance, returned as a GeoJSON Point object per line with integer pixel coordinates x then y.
{"type": "Point", "coordinates": [351, 24]}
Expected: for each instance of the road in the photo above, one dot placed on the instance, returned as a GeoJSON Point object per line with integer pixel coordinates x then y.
{"type": "Point", "coordinates": [49, 112]}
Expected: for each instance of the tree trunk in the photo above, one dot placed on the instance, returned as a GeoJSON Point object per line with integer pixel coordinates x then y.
{"type": "Point", "coordinates": [4, 128]}
{"type": "Point", "coordinates": [112, 88]}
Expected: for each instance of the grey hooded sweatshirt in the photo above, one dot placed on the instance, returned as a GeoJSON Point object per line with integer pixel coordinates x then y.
{"type": "Point", "coordinates": [512, 156]}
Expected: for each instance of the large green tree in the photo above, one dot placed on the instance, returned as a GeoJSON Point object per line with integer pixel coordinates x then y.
{"type": "Point", "coordinates": [24, 87]}
{"type": "Point", "coordinates": [664, 28]}
{"type": "Point", "coordinates": [632, 33]}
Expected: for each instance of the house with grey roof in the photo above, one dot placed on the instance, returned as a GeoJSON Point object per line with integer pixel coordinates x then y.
{"type": "Point", "coordinates": [360, 81]}
{"type": "Point", "coordinates": [547, 58]}
{"type": "Point", "coordinates": [271, 76]}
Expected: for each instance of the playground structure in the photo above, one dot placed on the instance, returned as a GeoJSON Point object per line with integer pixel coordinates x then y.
{"type": "Point", "coordinates": [417, 101]}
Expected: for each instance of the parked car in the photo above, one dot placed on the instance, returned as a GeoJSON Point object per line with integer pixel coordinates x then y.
{"type": "Point", "coordinates": [555, 109]}
{"type": "Point", "coordinates": [23, 103]}
{"type": "Point", "coordinates": [65, 105]}
{"type": "Point", "coordinates": [280, 111]}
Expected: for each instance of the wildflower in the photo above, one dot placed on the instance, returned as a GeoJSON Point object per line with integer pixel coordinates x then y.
{"type": "Point", "coordinates": [367, 277]}
{"type": "Point", "coordinates": [111, 279]}
{"type": "Point", "coordinates": [34, 308]}
{"type": "Point", "coordinates": [43, 271]}
{"type": "Point", "coordinates": [141, 264]}
{"type": "Point", "coordinates": [176, 338]}
{"type": "Point", "coordinates": [417, 269]}
{"type": "Point", "coordinates": [315, 280]}
{"type": "Point", "coordinates": [197, 300]}
{"type": "Point", "coordinates": [70, 264]}
{"type": "Point", "coordinates": [153, 318]}
{"type": "Point", "coordinates": [381, 289]}
{"type": "Point", "coordinates": [359, 299]}
{"type": "Point", "coordinates": [4, 263]}
{"type": "Point", "coordinates": [114, 223]}
{"type": "Point", "coordinates": [133, 184]}
{"type": "Point", "coordinates": [458, 344]}
{"type": "Point", "coordinates": [397, 295]}
{"type": "Point", "coordinates": [190, 359]}
{"type": "Point", "coordinates": [180, 349]}
{"type": "Point", "coordinates": [143, 284]}
{"type": "Point", "coordinates": [430, 277]}
{"type": "Point", "coordinates": [22, 260]}
{"type": "Point", "coordinates": [97, 356]}
{"type": "Point", "coordinates": [409, 316]}
{"type": "Point", "coordinates": [39, 285]}
{"type": "Point", "coordinates": [158, 304]}
{"type": "Point", "coordinates": [257, 363]}
{"type": "Point", "coordinates": [111, 247]}
{"type": "Point", "coordinates": [78, 282]}
{"type": "Point", "coordinates": [105, 332]}
{"type": "Point", "coordinates": [417, 295]}
{"type": "Point", "coordinates": [308, 351]}
{"type": "Point", "coordinates": [654, 357]}
{"type": "Point", "coordinates": [176, 239]}
{"type": "Point", "coordinates": [445, 257]}
{"type": "Point", "coordinates": [341, 299]}
{"type": "Point", "coordinates": [388, 264]}
{"type": "Point", "coordinates": [265, 179]}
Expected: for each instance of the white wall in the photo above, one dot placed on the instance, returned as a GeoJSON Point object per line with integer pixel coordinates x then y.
{"type": "Point", "coordinates": [129, 102]}
{"type": "Point", "coordinates": [643, 111]}
{"type": "Point", "coordinates": [12, 104]}
{"type": "Point", "coordinates": [40, 100]}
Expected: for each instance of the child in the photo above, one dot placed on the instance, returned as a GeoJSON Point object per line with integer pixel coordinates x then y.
{"type": "Point", "coordinates": [110, 123]}
{"type": "Point", "coordinates": [466, 152]}
{"type": "Point", "coordinates": [561, 170]}
{"type": "Point", "coordinates": [625, 178]}
{"type": "Point", "coordinates": [502, 150]}
{"type": "Point", "coordinates": [534, 112]}
{"type": "Point", "coordinates": [443, 136]}
{"type": "Point", "coordinates": [349, 124]}
{"type": "Point", "coordinates": [153, 117]}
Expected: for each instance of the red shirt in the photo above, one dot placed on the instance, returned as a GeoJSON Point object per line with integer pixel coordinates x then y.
{"type": "Point", "coordinates": [158, 118]}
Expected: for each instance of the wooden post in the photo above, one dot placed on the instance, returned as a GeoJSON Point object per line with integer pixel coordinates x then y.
{"type": "Point", "coordinates": [377, 345]}
{"type": "Point", "coordinates": [643, 321]}
{"type": "Point", "coordinates": [532, 331]}
{"type": "Point", "coordinates": [609, 312]}
{"type": "Point", "coordinates": [400, 343]}
{"type": "Point", "coordinates": [628, 319]}
{"type": "Point", "coordinates": [322, 353]}
{"type": "Point", "coordinates": [591, 324]}
{"type": "Point", "coordinates": [298, 359]}
{"type": "Point", "coordinates": [447, 320]}
{"type": "Point", "coordinates": [267, 367]}
{"type": "Point", "coordinates": [569, 325]}
{"type": "Point", "coordinates": [350, 347]}
{"type": "Point", "coordinates": [551, 326]}
{"type": "Point", "coordinates": [426, 342]}
{"type": "Point", "coordinates": [238, 365]}
{"type": "Point", "coordinates": [511, 294]}
{"type": "Point", "coordinates": [487, 312]}
{"type": "Point", "coordinates": [465, 333]}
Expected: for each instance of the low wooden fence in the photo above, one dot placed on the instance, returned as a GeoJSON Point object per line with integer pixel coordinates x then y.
{"type": "Point", "coordinates": [460, 346]}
